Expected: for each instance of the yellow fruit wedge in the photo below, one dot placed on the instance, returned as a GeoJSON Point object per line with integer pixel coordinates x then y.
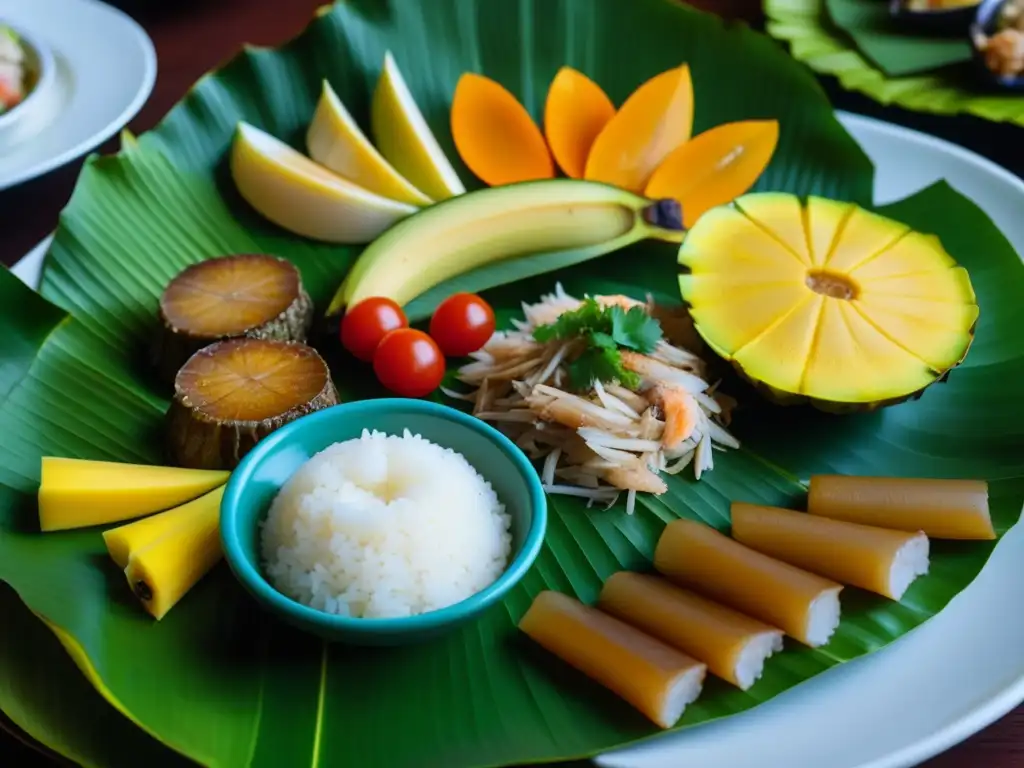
{"type": "Point", "coordinates": [335, 141]}
{"type": "Point", "coordinates": [825, 301]}
{"type": "Point", "coordinates": [169, 557]}
{"type": "Point", "coordinates": [495, 135]}
{"type": "Point", "coordinates": [876, 559]}
{"type": "Point", "coordinates": [402, 135]}
{"type": "Point", "coordinates": [76, 493]}
{"type": "Point", "coordinates": [303, 197]}
{"type": "Point", "coordinates": [655, 120]}
{"type": "Point", "coordinates": [575, 112]}
{"type": "Point", "coordinates": [715, 167]}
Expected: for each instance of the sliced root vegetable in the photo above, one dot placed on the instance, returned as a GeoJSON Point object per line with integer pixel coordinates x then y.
{"type": "Point", "coordinates": [942, 509]}
{"type": "Point", "coordinates": [292, 191]}
{"type": "Point", "coordinates": [173, 560]}
{"type": "Point", "coordinates": [76, 493]}
{"type": "Point", "coordinates": [876, 559]}
{"type": "Point", "coordinates": [733, 646]}
{"type": "Point", "coordinates": [233, 393]}
{"type": "Point", "coordinates": [655, 120]}
{"type": "Point", "coordinates": [805, 606]}
{"type": "Point", "coordinates": [246, 295]}
{"type": "Point", "coordinates": [335, 140]}
{"type": "Point", "coordinates": [657, 679]}
{"type": "Point", "coordinates": [576, 111]}
{"type": "Point", "coordinates": [495, 135]}
{"type": "Point", "coordinates": [715, 167]}
{"type": "Point", "coordinates": [402, 135]}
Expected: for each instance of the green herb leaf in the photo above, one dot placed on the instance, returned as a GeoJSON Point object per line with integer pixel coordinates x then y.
{"type": "Point", "coordinates": [599, 363]}
{"type": "Point", "coordinates": [635, 329]}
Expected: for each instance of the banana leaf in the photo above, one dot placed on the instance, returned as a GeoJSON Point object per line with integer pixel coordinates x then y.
{"type": "Point", "coordinates": [222, 684]}
{"type": "Point", "coordinates": [814, 40]}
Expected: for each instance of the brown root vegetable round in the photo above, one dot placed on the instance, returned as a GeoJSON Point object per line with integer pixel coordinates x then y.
{"type": "Point", "coordinates": [233, 393]}
{"type": "Point", "coordinates": [248, 295]}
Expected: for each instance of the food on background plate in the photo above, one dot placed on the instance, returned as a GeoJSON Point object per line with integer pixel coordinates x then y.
{"type": "Point", "coordinates": [287, 188]}
{"type": "Point", "coordinates": [232, 393]}
{"type": "Point", "coordinates": [938, 5]}
{"type": "Point", "coordinates": [942, 509]}
{"type": "Point", "coordinates": [367, 323]}
{"type": "Point", "coordinates": [14, 73]}
{"type": "Point", "coordinates": [594, 389]}
{"type": "Point", "coordinates": [462, 324]}
{"type": "Point", "coordinates": [252, 295]}
{"type": "Point", "coordinates": [385, 526]}
{"type": "Point", "coordinates": [876, 559]}
{"type": "Point", "coordinates": [409, 363]}
{"type": "Point", "coordinates": [498, 224]}
{"type": "Point", "coordinates": [826, 302]}
{"type": "Point", "coordinates": [733, 646]}
{"type": "Point", "coordinates": [77, 493]}
{"type": "Point", "coordinates": [335, 141]}
{"type": "Point", "coordinates": [403, 137]}
{"type": "Point", "coordinates": [1002, 47]}
{"type": "Point", "coordinates": [657, 679]}
{"type": "Point", "coordinates": [575, 112]}
{"type": "Point", "coordinates": [694, 555]}
{"type": "Point", "coordinates": [165, 555]}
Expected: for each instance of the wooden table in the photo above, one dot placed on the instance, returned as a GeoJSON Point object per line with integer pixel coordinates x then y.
{"type": "Point", "coordinates": [194, 36]}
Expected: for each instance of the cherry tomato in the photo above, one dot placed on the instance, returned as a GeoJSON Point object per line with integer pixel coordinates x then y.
{"type": "Point", "coordinates": [409, 363]}
{"type": "Point", "coordinates": [462, 324]}
{"type": "Point", "coordinates": [369, 321]}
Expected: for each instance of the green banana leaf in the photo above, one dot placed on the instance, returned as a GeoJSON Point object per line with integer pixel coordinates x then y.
{"type": "Point", "coordinates": [889, 45]}
{"type": "Point", "coordinates": [219, 682]}
{"type": "Point", "coordinates": [815, 41]}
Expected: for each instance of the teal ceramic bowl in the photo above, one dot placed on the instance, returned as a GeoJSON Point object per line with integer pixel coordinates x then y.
{"type": "Point", "coordinates": [269, 465]}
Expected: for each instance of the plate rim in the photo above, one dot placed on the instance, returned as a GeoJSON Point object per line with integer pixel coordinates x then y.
{"type": "Point", "coordinates": [986, 711]}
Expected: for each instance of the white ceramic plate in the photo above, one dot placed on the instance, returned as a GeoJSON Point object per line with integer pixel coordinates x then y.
{"type": "Point", "coordinates": [932, 688]}
{"type": "Point", "coordinates": [104, 68]}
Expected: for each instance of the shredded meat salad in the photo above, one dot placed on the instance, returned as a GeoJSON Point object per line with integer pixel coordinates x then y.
{"type": "Point", "coordinates": [604, 438]}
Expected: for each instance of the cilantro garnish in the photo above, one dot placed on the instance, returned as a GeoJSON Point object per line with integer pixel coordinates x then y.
{"type": "Point", "coordinates": [605, 330]}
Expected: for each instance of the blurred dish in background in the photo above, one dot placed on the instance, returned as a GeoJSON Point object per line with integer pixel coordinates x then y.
{"type": "Point", "coordinates": [90, 69]}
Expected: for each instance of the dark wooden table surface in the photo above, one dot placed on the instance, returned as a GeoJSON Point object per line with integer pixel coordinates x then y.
{"type": "Point", "coordinates": [194, 36]}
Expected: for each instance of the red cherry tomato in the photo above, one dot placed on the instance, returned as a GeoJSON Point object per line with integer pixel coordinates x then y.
{"type": "Point", "coordinates": [369, 321]}
{"type": "Point", "coordinates": [462, 324]}
{"type": "Point", "coordinates": [409, 363]}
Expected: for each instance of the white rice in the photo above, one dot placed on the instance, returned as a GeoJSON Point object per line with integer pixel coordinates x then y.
{"type": "Point", "coordinates": [385, 526]}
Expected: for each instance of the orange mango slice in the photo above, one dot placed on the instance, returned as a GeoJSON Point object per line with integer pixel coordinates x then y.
{"type": "Point", "coordinates": [715, 167]}
{"type": "Point", "coordinates": [656, 119]}
{"type": "Point", "coordinates": [576, 111]}
{"type": "Point", "coordinates": [495, 135]}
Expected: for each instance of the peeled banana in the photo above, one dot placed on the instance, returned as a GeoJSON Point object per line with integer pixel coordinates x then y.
{"type": "Point", "coordinates": [477, 230]}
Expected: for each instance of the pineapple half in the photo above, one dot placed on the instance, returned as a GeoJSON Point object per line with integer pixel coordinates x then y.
{"type": "Point", "coordinates": [826, 302]}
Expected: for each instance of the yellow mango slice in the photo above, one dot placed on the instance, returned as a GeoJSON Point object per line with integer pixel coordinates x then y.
{"type": "Point", "coordinates": [876, 559]}
{"type": "Point", "coordinates": [715, 167]}
{"type": "Point", "coordinates": [942, 509]}
{"type": "Point", "coordinates": [864, 235]}
{"type": "Point", "coordinates": [909, 255]}
{"type": "Point", "coordinates": [655, 120]}
{"type": "Point", "coordinates": [162, 571]}
{"type": "Point", "coordinates": [76, 493]}
{"type": "Point", "coordinates": [655, 678]}
{"type": "Point", "coordinates": [762, 310]}
{"type": "Point", "coordinates": [779, 354]}
{"type": "Point", "coordinates": [727, 231]}
{"type": "Point", "coordinates": [335, 140]}
{"type": "Point", "coordinates": [575, 112]}
{"type": "Point", "coordinates": [948, 285]}
{"type": "Point", "coordinates": [782, 216]}
{"type": "Point", "coordinates": [495, 135]}
{"type": "Point", "coordinates": [824, 219]}
{"type": "Point", "coordinates": [805, 606]}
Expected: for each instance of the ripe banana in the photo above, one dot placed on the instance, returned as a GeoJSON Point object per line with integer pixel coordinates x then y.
{"type": "Point", "coordinates": [547, 224]}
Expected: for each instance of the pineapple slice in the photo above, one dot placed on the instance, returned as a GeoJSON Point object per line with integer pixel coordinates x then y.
{"type": "Point", "coordinates": [825, 301]}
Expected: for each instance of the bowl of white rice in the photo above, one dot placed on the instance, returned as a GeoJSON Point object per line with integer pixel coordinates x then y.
{"type": "Point", "coordinates": [382, 522]}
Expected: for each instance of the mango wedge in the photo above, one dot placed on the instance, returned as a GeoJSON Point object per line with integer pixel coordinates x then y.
{"type": "Point", "coordinates": [733, 645]}
{"type": "Point", "coordinates": [76, 493]}
{"type": "Point", "coordinates": [167, 557]}
{"type": "Point", "coordinates": [575, 112]}
{"type": "Point", "coordinates": [876, 559]}
{"type": "Point", "coordinates": [805, 606]}
{"type": "Point", "coordinates": [495, 135]}
{"type": "Point", "coordinates": [943, 509]}
{"type": "Point", "coordinates": [655, 120]}
{"type": "Point", "coordinates": [657, 679]}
